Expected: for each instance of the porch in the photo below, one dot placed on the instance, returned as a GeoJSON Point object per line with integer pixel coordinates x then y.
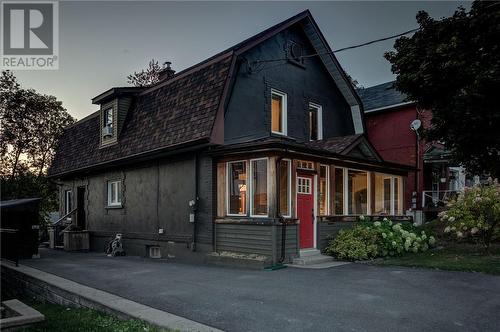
{"type": "Point", "coordinates": [277, 203]}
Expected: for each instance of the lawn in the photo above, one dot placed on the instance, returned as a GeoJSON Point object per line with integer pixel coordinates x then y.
{"type": "Point", "coordinates": [453, 257]}
{"type": "Point", "coordinates": [60, 318]}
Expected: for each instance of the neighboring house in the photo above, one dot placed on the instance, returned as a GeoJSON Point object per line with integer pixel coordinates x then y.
{"type": "Point", "coordinates": [220, 156]}
{"type": "Point", "coordinates": [388, 116]}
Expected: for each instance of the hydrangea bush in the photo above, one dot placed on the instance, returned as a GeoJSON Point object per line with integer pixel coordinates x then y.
{"type": "Point", "coordinates": [378, 239]}
{"type": "Point", "coordinates": [474, 215]}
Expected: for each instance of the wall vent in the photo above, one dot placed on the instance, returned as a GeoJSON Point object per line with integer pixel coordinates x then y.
{"type": "Point", "coordinates": [154, 252]}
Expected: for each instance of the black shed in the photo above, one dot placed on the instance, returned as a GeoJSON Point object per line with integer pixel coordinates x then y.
{"type": "Point", "coordinates": [19, 225]}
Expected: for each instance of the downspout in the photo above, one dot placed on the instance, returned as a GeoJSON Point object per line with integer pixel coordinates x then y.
{"type": "Point", "coordinates": [278, 212]}
{"type": "Point", "coordinates": [194, 208]}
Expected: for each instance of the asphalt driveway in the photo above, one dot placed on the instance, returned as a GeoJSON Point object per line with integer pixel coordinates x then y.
{"type": "Point", "coordinates": [354, 297]}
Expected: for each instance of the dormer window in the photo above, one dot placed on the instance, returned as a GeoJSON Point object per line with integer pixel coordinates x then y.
{"type": "Point", "coordinates": [315, 122]}
{"type": "Point", "coordinates": [278, 112]}
{"type": "Point", "coordinates": [107, 130]}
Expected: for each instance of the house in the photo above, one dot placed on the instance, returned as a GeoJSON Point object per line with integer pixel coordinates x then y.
{"type": "Point", "coordinates": [258, 150]}
{"type": "Point", "coordinates": [388, 115]}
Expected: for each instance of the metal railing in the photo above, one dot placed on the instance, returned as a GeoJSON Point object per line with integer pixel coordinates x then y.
{"type": "Point", "coordinates": [437, 198]}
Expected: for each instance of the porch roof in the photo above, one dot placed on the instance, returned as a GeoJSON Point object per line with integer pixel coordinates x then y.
{"type": "Point", "coordinates": [327, 152]}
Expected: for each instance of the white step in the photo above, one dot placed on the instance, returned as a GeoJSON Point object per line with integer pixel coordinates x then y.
{"type": "Point", "coordinates": [311, 257]}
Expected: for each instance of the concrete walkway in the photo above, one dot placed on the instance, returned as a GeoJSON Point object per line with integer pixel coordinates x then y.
{"type": "Point", "coordinates": [352, 297]}
{"type": "Point", "coordinates": [115, 303]}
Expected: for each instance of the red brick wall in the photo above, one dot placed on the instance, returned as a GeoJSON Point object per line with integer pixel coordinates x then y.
{"type": "Point", "coordinates": [390, 133]}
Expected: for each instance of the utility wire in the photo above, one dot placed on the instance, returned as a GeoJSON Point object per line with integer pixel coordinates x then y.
{"type": "Point", "coordinates": [342, 49]}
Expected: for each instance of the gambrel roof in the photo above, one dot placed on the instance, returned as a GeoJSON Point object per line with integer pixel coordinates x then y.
{"type": "Point", "coordinates": [185, 110]}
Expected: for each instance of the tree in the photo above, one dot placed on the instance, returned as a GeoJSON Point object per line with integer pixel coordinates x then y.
{"type": "Point", "coordinates": [452, 67]}
{"type": "Point", "coordinates": [31, 124]}
{"type": "Point", "coordinates": [146, 77]}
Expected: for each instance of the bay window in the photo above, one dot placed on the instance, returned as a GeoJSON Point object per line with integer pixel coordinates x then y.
{"type": "Point", "coordinates": [258, 202]}
{"type": "Point", "coordinates": [388, 194]}
{"type": "Point", "coordinates": [285, 188]}
{"type": "Point", "coordinates": [338, 202]}
{"type": "Point", "coordinates": [323, 190]}
{"type": "Point", "coordinates": [357, 192]}
{"type": "Point", "coordinates": [237, 188]}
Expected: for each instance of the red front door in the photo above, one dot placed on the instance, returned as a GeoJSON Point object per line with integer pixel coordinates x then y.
{"type": "Point", "coordinates": [305, 209]}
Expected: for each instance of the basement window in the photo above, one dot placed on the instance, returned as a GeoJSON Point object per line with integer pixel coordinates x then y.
{"type": "Point", "coordinates": [154, 252]}
{"type": "Point", "coordinates": [114, 193]}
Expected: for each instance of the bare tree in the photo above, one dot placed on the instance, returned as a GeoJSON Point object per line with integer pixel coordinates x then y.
{"type": "Point", "coordinates": [146, 77]}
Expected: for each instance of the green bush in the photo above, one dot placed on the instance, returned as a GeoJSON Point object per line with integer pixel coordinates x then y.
{"type": "Point", "coordinates": [379, 239]}
{"type": "Point", "coordinates": [474, 215]}
{"type": "Point", "coordinates": [357, 243]}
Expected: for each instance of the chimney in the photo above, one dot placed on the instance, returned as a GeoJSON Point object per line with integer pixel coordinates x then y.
{"type": "Point", "coordinates": [166, 73]}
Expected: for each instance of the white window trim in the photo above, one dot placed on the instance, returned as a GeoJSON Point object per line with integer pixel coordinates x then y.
{"type": "Point", "coordinates": [346, 190]}
{"type": "Point", "coordinates": [327, 198]}
{"type": "Point", "coordinates": [284, 107]}
{"type": "Point", "coordinates": [109, 186]}
{"type": "Point", "coordinates": [227, 188]}
{"type": "Point", "coordinates": [250, 177]}
{"type": "Point", "coordinates": [67, 208]}
{"type": "Point", "coordinates": [319, 118]}
{"type": "Point", "coordinates": [289, 171]}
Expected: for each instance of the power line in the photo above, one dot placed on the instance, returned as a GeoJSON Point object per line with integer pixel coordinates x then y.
{"type": "Point", "coordinates": [342, 49]}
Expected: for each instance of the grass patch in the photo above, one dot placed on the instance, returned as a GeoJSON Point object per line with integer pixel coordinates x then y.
{"type": "Point", "coordinates": [453, 257]}
{"type": "Point", "coordinates": [60, 318]}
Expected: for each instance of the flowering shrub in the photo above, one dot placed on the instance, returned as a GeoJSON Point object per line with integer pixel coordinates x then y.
{"type": "Point", "coordinates": [379, 239]}
{"type": "Point", "coordinates": [474, 215]}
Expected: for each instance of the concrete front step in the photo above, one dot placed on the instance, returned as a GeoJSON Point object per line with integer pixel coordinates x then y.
{"type": "Point", "coordinates": [311, 257]}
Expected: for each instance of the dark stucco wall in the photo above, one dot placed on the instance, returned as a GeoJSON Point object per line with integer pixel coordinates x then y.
{"type": "Point", "coordinates": [248, 111]}
{"type": "Point", "coordinates": [155, 196]}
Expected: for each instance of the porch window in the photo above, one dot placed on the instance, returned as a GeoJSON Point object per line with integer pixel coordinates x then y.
{"type": "Point", "coordinates": [323, 190]}
{"type": "Point", "coordinates": [114, 193]}
{"type": "Point", "coordinates": [285, 187]}
{"type": "Point", "coordinates": [398, 194]}
{"type": "Point", "coordinates": [278, 112]}
{"type": "Point", "coordinates": [388, 195]}
{"type": "Point", "coordinates": [338, 203]}
{"type": "Point", "coordinates": [315, 122]}
{"type": "Point", "coordinates": [382, 194]}
{"type": "Point", "coordinates": [258, 202]}
{"type": "Point", "coordinates": [237, 188]}
{"type": "Point", "coordinates": [68, 198]}
{"type": "Point", "coordinates": [357, 195]}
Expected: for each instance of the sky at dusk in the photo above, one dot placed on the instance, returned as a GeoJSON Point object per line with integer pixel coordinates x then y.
{"type": "Point", "coordinates": [102, 42]}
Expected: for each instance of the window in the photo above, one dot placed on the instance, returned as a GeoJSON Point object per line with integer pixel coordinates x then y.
{"type": "Point", "coordinates": [258, 201]}
{"type": "Point", "coordinates": [115, 193]}
{"type": "Point", "coordinates": [107, 122]}
{"type": "Point", "coordinates": [315, 122]}
{"type": "Point", "coordinates": [382, 194]}
{"type": "Point", "coordinates": [324, 185]}
{"type": "Point", "coordinates": [303, 185]}
{"type": "Point", "coordinates": [278, 112]}
{"type": "Point", "coordinates": [398, 193]}
{"type": "Point", "coordinates": [302, 164]}
{"type": "Point", "coordinates": [338, 203]}
{"type": "Point", "coordinates": [68, 197]}
{"type": "Point", "coordinates": [357, 196]}
{"type": "Point", "coordinates": [237, 188]}
{"type": "Point", "coordinates": [285, 187]}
